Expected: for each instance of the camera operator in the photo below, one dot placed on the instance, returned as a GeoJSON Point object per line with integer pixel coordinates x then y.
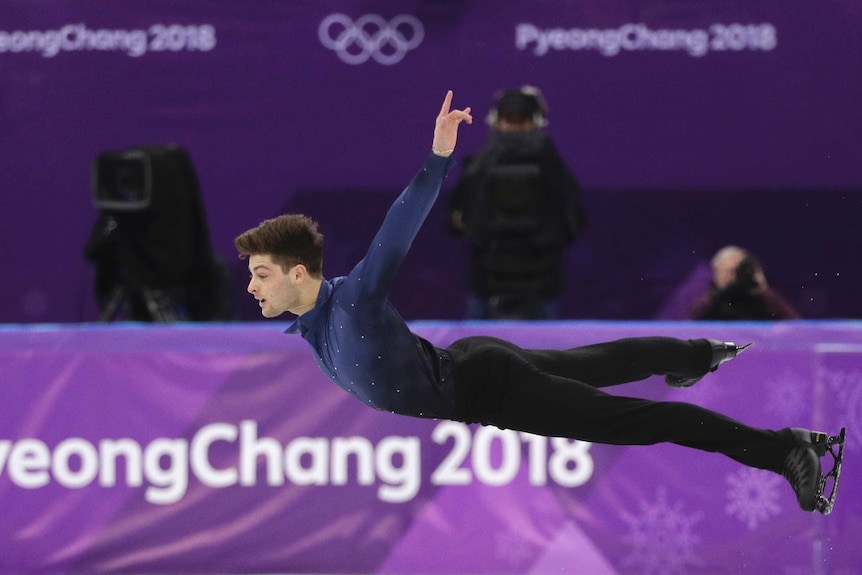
{"type": "Point", "coordinates": [739, 291]}
{"type": "Point", "coordinates": [518, 205]}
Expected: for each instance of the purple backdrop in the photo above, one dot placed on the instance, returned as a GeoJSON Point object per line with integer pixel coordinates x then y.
{"type": "Point", "coordinates": [690, 125]}
{"type": "Point", "coordinates": [221, 449]}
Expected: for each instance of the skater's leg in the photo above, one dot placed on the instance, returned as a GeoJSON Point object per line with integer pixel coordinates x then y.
{"type": "Point", "coordinates": [500, 388]}
{"type": "Point", "coordinates": [554, 406]}
{"type": "Point", "coordinates": [621, 361]}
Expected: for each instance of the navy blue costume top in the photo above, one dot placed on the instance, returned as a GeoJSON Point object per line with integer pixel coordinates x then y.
{"type": "Point", "coordinates": [359, 339]}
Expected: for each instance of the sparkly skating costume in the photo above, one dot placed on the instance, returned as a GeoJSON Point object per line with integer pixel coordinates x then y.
{"type": "Point", "coordinates": [364, 346]}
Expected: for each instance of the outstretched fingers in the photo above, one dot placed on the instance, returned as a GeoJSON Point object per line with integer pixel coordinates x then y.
{"type": "Point", "coordinates": [456, 115]}
{"type": "Point", "coordinates": [446, 127]}
{"type": "Point", "coordinates": [447, 103]}
{"type": "Point", "coordinates": [462, 115]}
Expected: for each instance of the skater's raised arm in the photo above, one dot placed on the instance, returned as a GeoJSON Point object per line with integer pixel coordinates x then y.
{"type": "Point", "coordinates": [387, 250]}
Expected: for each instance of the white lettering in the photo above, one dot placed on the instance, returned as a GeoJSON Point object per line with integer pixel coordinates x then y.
{"type": "Point", "coordinates": [221, 455]}
{"type": "Point", "coordinates": [538, 454]}
{"type": "Point", "coordinates": [5, 448]}
{"type": "Point", "coordinates": [131, 452]}
{"type": "Point", "coordinates": [88, 459]}
{"type": "Point", "coordinates": [569, 463]}
{"type": "Point", "coordinates": [402, 481]}
{"type": "Point", "coordinates": [200, 455]}
{"type": "Point", "coordinates": [133, 43]}
{"type": "Point", "coordinates": [510, 458]}
{"type": "Point", "coordinates": [527, 34]}
{"type": "Point", "coordinates": [251, 448]}
{"type": "Point", "coordinates": [316, 450]}
{"type": "Point", "coordinates": [363, 452]}
{"type": "Point", "coordinates": [29, 462]}
{"type": "Point", "coordinates": [450, 472]}
{"type": "Point", "coordinates": [640, 37]}
{"type": "Point", "coordinates": [169, 483]}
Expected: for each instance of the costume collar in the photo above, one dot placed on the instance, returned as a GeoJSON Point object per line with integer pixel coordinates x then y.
{"type": "Point", "coordinates": [303, 322]}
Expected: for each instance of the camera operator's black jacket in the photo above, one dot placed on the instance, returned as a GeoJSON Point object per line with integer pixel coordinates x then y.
{"type": "Point", "coordinates": [512, 252]}
{"type": "Point", "coordinates": [738, 302]}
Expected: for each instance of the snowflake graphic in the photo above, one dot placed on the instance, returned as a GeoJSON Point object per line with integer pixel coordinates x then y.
{"type": "Point", "coordinates": [846, 388]}
{"type": "Point", "coordinates": [662, 538]}
{"type": "Point", "coordinates": [753, 495]}
{"type": "Point", "coordinates": [787, 397]}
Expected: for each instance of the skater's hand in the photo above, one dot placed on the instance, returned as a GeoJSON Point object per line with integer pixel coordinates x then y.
{"type": "Point", "coordinates": [446, 128]}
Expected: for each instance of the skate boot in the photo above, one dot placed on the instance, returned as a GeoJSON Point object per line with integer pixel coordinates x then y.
{"type": "Point", "coordinates": [802, 468]}
{"type": "Point", "coordinates": [722, 351]}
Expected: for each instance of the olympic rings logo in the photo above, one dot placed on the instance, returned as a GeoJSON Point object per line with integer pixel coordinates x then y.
{"type": "Point", "coordinates": [371, 36]}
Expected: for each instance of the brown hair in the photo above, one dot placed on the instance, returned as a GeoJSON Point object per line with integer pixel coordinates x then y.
{"type": "Point", "coordinates": [289, 240]}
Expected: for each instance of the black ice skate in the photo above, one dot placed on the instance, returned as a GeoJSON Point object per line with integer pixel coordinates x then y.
{"type": "Point", "coordinates": [802, 469]}
{"type": "Point", "coordinates": [722, 351]}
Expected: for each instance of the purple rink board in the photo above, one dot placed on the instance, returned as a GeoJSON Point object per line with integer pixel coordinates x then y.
{"type": "Point", "coordinates": [667, 111]}
{"type": "Point", "coordinates": [223, 449]}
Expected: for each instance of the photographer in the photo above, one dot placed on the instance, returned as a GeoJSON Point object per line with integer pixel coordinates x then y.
{"type": "Point", "coordinates": [739, 291]}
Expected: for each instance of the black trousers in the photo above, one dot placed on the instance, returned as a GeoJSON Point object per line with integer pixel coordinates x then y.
{"type": "Point", "coordinates": [558, 393]}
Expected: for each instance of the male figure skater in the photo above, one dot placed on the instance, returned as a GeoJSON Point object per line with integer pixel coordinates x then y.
{"type": "Point", "coordinates": [362, 344]}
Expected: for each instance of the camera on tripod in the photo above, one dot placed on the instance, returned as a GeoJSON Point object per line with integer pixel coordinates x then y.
{"type": "Point", "coordinates": [123, 181]}
{"type": "Point", "coordinates": [150, 245]}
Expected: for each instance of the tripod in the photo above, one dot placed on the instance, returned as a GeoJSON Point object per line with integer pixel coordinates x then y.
{"type": "Point", "coordinates": [144, 304]}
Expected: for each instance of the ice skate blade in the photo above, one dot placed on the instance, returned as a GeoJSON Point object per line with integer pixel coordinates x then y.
{"type": "Point", "coordinates": [825, 503]}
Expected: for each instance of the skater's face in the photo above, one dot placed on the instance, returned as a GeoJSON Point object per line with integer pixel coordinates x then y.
{"type": "Point", "coordinates": [275, 290]}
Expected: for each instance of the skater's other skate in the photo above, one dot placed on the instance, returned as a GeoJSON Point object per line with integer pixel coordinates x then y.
{"type": "Point", "coordinates": [722, 351]}
{"type": "Point", "coordinates": [802, 468]}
